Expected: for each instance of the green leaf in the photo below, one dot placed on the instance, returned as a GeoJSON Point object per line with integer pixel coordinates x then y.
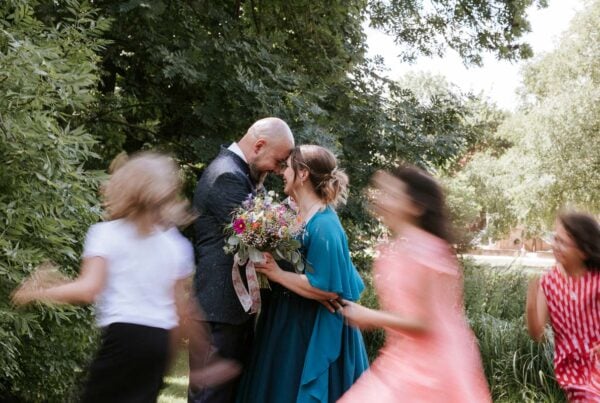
{"type": "Point", "coordinates": [233, 240]}
{"type": "Point", "coordinates": [255, 255]}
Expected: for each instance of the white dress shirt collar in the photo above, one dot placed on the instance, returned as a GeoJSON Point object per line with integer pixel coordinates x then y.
{"type": "Point", "coordinates": [237, 150]}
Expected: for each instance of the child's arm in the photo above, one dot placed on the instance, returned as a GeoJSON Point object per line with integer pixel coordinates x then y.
{"type": "Point", "coordinates": [83, 290]}
{"type": "Point", "coordinates": [536, 310]}
{"type": "Point", "coordinates": [186, 306]}
{"type": "Point", "coordinates": [363, 317]}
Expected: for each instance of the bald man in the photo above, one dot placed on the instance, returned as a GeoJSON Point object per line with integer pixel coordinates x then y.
{"type": "Point", "coordinates": [236, 172]}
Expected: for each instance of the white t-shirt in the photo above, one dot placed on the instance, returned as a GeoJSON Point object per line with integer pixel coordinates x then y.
{"type": "Point", "coordinates": [142, 271]}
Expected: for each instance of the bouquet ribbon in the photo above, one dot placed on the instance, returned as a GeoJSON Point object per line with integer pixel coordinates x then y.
{"type": "Point", "coordinates": [249, 298]}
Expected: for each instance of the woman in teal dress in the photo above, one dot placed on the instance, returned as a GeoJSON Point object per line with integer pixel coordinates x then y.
{"type": "Point", "coordinates": [303, 350]}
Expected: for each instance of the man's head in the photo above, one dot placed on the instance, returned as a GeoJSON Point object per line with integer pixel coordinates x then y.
{"type": "Point", "coordinates": [267, 145]}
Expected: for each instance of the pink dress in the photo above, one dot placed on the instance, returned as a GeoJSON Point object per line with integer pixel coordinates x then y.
{"type": "Point", "coordinates": [420, 276]}
{"type": "Point", "coordinates": [574, 307]}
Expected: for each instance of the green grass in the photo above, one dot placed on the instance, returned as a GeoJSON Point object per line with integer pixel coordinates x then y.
{"type": "Point", "coordinates": [176, 382]}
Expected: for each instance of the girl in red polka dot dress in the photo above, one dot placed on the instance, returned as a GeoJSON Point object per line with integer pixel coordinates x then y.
{"type": "Point", "coordinates": [568, 297]}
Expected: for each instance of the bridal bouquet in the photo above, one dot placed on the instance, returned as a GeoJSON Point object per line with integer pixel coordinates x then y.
{"type": "Point", "coordinates": [261, 225]}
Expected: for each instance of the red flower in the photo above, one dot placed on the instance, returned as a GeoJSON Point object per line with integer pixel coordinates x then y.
{"type": "Point", "coordinates": [239, 226]}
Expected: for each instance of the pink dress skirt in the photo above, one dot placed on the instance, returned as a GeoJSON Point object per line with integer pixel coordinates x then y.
{"type": "Point", "coordinates": [419, 276]}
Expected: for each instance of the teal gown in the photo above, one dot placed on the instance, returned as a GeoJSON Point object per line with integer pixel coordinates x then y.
{"type": "Point", "coordinates": [302, 352]}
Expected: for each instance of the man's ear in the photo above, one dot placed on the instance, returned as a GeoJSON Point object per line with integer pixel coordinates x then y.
{"type": "Point", "coordinates": [259, 145]}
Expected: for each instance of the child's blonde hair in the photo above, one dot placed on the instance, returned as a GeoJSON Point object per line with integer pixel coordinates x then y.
{"type": "Point", "coordinates": [145, 189]}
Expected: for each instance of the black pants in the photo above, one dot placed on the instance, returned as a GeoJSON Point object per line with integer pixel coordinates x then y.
{"type": "Point", "coordinates": [227, 341]}
{"type": "Point", "coordinates": [130, 365]}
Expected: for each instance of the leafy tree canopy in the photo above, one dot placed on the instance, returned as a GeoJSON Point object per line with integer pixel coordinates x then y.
{"type": "Point", "coordinates": [555, 159]}
{"type": "Point", "coordinates": [467, 26]}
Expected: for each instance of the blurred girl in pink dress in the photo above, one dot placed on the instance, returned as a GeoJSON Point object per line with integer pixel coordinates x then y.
{"type": "Point", "coordinates": [430, 354]}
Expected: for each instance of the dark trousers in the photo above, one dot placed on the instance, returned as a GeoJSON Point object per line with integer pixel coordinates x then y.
{"type": "Point", "coordinates": [129, 366]}
{"type": "Point", "coordinates": [227, 341]}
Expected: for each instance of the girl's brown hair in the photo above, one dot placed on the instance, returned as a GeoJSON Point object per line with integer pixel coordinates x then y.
{"type": "Point", "coordinates": [425, 192]}
{"type": "Point", "coordinates": [330, 183]}
{"type": "Point", "coordinates": [585, 232]}
{"type": "Point", "coordinates": [145, 189]}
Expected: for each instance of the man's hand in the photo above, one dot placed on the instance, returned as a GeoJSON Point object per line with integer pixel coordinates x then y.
{"type": "Point", "coordinates": [332, 305]}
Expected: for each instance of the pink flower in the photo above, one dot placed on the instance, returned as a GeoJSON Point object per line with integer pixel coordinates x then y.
{"type": "Point", "coordinates": [239, 226]}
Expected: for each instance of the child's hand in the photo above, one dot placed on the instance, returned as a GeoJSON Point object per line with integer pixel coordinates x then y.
{"type": "Point", "coordinates": [24, 294]}
{"type": "Point", "coordinates": [356, 315]}
{"type": "Point", "coordinates": [32, 288]}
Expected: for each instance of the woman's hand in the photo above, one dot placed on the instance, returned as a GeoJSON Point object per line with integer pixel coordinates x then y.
{"type": "Point", "coordinates": [355, 314]}
{"type": "Point", "coordinates": [269, 268]}
{"type": "Point", "coordinates": [332, 303]}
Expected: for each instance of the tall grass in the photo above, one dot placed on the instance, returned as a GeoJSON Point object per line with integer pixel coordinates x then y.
{"type": "Point", "coordinates": [517, 368]}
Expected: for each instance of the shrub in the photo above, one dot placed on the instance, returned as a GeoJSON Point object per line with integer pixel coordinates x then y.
{"type": "Point", "coordinates": [375, 338]}
{"type": "Point", "coordinates": [48, 76]}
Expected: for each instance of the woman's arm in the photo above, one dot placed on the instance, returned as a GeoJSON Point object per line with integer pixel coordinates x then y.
{"type": "Point", "coordinates": [83, 290]}
{"type": "Point", "coordinates": [536, 310]}
{"type": "Point", "coordinates": [365, 318]}
{"type": "Point", "coordinates": [295, 282]}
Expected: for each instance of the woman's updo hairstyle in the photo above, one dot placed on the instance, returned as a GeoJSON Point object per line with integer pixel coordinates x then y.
{"type": "Point", "coordinates": [330, 183]}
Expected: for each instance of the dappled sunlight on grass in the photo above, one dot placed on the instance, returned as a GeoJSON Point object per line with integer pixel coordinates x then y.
{"type": "Point", "coordinates": [176, 383]}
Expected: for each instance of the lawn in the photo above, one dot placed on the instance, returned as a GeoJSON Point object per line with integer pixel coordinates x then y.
{"type": "Point", "coordinates": [176, 382]}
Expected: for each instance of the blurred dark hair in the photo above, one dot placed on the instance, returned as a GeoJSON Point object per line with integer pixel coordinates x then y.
{"type": "Point", "coordinates": [585, 232]}
{"type": "Point", "coordinates": [425, 192]}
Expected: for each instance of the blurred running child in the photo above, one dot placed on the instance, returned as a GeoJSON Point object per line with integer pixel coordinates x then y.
{"type": "Point", "coordinates": [430, 353]}
{"type": "Point", "coordinates": [132, 265]}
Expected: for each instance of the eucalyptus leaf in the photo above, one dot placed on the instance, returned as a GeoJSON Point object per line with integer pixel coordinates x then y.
{"type": "Point", "coordinates": [295, 257]}
{"type": "Point", "coordinates": [255, 255]}
{"type": "Point", "coordinates": [279, 254]}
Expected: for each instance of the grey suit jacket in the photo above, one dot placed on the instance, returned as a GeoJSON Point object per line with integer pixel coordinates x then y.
{"type": "Point", "coordinates": [223, 186]}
